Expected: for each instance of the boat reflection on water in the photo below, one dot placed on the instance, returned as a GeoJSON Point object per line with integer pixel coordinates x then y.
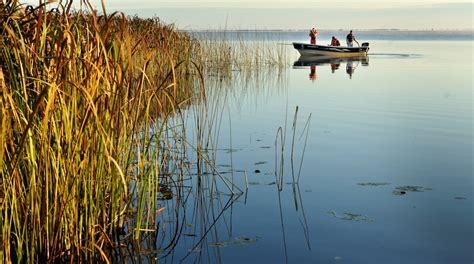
{"type": "Point", "coordinates": [335, 63]}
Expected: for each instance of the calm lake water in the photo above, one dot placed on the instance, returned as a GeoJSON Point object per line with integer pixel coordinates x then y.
{"type": "Point", "coordinates": [382, 157]}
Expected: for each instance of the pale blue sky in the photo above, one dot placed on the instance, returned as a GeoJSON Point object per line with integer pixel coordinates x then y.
{"type": "Point", "coordinates": [285, 14]}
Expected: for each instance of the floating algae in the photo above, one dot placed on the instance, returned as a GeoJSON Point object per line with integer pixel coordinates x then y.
{"type": "Point", "coordinates": [350, 216]}
{"type": "Point", "coordinates": [373, 183]}
{"type": "Point", "coordinates": [239, 241]}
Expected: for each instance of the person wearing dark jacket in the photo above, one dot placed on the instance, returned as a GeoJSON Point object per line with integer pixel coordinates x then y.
{"type": "Point", "coordinates": [350, 39]}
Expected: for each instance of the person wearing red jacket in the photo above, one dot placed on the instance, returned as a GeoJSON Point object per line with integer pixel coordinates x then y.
{"type": "Point", "coordinates": [312, 34]}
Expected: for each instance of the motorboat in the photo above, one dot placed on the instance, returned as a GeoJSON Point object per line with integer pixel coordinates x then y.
{"type": "Point", "coordinates": [311, 50]}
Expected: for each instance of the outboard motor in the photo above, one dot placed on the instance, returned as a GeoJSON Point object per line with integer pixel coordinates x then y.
{"type": "Point", "coordinates": [365, 44]}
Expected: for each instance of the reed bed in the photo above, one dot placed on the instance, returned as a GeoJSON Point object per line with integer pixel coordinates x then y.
{"type": "Point", "coordinates": [90, 128]}
{"type": "Point", "coordinates": [225, 53]}
{"type": "Point", "coordinates": [93, 133]}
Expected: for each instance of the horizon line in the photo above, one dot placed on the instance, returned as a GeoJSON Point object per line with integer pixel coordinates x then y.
{"type": "Point", "coordinates": [336, 29]}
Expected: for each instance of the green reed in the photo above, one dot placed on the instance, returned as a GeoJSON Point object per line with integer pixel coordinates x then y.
{"type": "Point", "coordinates": [86, 103]}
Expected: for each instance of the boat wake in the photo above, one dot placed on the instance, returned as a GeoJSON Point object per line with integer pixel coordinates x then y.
{"type": "Point", "coordinates": [395, 55]}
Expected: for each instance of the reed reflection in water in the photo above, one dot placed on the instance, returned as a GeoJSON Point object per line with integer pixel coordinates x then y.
{"type": "Point", "coordinates": [202, 207]}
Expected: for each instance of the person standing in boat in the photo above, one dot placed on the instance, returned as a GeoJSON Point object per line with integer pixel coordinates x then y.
{"type": "Point", "coordinates": [312, 34]}
{"type": "Point", "coordinates": [350, 39]}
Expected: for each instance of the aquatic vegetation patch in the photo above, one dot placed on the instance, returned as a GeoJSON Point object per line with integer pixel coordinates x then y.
{"type": "Point", "coordinates": [228, 151]}
{"type": "Point", "coordinates": [373, 183]}
{"type": "Point", "coordinates": [350, 216]}
{"type": "Point", "coordinates": [239, 241]}
{"type": "Point", "coordinates": [259, 183]}
{"type": "Point", "coordinates": [164, 193]}
{"type": "Point", "coordinates": [401, 190]}
{"type": "Point", "coordinates": [254, 183]}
